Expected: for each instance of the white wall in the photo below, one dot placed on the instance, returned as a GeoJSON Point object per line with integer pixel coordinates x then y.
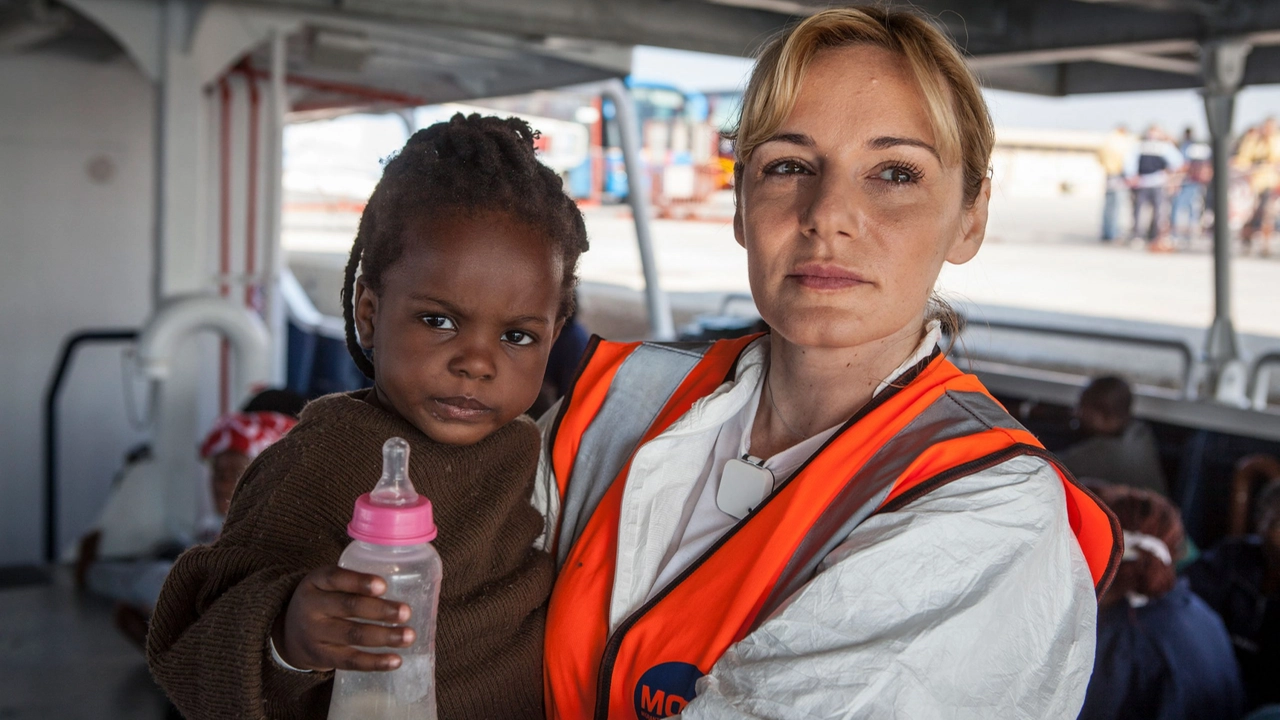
{"type": "Point", "coordinates": [76, 255]}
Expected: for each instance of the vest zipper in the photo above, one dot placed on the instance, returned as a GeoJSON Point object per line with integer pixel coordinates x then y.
{"type": "Point", "coordinates": [605, 676]}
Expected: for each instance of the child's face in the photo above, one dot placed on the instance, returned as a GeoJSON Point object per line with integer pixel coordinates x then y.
{"type": "Point", "coordinates": [462, 328]}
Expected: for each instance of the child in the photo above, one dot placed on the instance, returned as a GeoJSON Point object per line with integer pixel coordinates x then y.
{"type": "Point", "coordinates": [1162, 651]}
{"type": "Point", "coordinates": [468, 248]}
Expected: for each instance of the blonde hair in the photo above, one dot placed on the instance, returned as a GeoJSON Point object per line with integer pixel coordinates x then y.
{"type": "Point", "coordinates": [961, 125]}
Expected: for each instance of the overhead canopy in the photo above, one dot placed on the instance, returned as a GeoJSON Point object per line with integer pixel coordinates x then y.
{"type": "Point", "coordinates": [342, 61]}
{"type": "Point", "coordinates": [1050, 47]}
{"type": "Point", "coordinates": [383, 53]}
{"type": "Point", "coordinates": [349, 59]}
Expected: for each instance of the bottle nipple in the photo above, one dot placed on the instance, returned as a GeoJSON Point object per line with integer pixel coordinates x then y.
{"type": "Point", "coordinates": [394, 488]}
{"type": "Point", "coordinates": [393, 513]}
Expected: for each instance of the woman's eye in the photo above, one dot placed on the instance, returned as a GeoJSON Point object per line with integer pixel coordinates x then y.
{"type": "Point", "coordinates": [785, 167]}
{"type": "Point", "coordinates": [516, 337]}
{"type": "Point", "coordinates": [897, 175]}
{"type": "Point", "coordinates": [439, 322]}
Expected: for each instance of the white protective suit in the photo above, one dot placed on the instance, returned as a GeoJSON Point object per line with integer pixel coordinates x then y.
{"type": "Point", "coordinates": [974, 601]}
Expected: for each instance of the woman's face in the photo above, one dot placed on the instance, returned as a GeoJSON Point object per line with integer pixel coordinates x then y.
{"type": "Point", "coordinates": [847, 212]}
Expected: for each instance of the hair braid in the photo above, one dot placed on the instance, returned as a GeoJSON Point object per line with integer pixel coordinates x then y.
{"type": "Point", "coordinates": [469, 164]}
{"type": "Point", "coordinates": [348, 300]}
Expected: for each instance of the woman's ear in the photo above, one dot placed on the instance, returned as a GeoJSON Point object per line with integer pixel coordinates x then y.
{"type": "Point", "coordinates": [366, 313]}
{"type": "Point", "coordinates": [973, 227]}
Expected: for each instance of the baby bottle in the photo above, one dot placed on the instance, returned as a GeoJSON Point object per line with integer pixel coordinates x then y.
{"type": "Point", "coordinates": [392, 529]}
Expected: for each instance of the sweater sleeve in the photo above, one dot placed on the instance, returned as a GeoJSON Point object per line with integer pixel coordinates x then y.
{"type": "Point", "coordinates": [972, 602]}
{"type": "Point", "coordinates": [208, 643]}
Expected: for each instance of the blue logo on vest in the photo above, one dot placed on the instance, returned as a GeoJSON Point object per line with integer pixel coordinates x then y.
{"type": "Point", "coordinates": [664, 690]}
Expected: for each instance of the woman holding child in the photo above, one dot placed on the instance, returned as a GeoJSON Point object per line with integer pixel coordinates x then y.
{"type": "Point", "coordinates": [829, 520]}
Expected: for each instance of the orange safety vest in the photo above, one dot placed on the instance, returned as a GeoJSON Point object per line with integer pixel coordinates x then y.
{"type": "Point", "coordinates": [934, 425]}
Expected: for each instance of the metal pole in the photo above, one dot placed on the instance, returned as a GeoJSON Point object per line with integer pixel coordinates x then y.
{"type": "Point", "coordinates": [661, 324]}
{"type": "Point", "coordinates": [273, 308]}
{"type": "Point", "coordinates": [1220, 109]}
{"type": "Point", "coordinates": [1223, 63]}
{"type": "Point", "coordinates": [51, 498]}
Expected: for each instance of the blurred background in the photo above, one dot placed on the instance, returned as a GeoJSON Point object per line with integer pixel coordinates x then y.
{"type": "Point", "coordinates": [181, 181]}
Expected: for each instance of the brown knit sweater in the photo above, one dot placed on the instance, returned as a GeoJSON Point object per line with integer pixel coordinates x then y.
{"type": "Point", "coordinates": [208, 642]}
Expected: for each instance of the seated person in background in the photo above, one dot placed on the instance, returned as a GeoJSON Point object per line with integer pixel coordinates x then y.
{"type": "Point", "coordinates": [235, 440]}
{"type": "Point", "coordinates": [1116, 449]}
{"type": "Point", "coordinates": [134, 581]}
{"type": "Point", "coordinates": [1240, 578]}
{"type": "Point", "coordinates": [1162, 652]}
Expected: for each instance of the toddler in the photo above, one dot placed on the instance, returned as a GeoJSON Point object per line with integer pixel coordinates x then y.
{"type": "Point", "coordinates": [467, 252]}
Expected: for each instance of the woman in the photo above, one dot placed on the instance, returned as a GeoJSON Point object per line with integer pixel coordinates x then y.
{"type": "Point", "coordinates": [1163, 653]}
{"type": "Point", "coordinates": [829, 520]}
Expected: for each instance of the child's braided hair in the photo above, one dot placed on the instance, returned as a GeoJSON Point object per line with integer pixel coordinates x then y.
{"type": "Point", "coordinates": [470, 164]}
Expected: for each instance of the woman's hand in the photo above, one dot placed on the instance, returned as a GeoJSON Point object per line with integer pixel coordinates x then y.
{"type": "Point", "coordinates": [330, 622]}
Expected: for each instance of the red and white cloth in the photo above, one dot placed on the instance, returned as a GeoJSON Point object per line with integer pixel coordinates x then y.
{"type": "Point", "coordinates": [245, 433]}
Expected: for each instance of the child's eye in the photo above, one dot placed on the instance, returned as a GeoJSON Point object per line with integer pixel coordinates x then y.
{"type": "Point", "coordinates": [439, 322]}
{"type": "Point", "coordinates": [898, 175]}
{"type": "Point", "coordinates": [517, 337]}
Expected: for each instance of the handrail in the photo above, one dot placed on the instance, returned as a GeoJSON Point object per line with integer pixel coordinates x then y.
{"type": "Point", "coordinates": [1258, 383]}
{"type": "Point", "coordinates": [1182, 347]}
{"type": "Point", "coordinates": [51, 426]}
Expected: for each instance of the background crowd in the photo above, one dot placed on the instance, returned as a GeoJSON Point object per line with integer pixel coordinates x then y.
{"type": "Point", "coordinates": [1167, 184]}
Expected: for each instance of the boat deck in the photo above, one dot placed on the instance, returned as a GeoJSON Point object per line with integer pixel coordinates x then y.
{"type": "Point", "coordinates": [62, 659]}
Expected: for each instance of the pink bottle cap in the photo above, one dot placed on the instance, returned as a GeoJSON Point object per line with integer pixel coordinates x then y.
{"type": "Point", "coordinates": [394, 513]}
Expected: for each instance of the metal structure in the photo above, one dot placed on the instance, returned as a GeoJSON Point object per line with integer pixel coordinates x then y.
{"type": "Point", "coordinates": [52, 393]}
{"type": "Point", "coordinates": [661, 323]}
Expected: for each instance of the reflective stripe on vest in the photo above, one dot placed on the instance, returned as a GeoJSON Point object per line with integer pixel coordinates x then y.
{"type": "Point", "coordinates": [641, 387]}
{"type": "Point", "coordinates": [939, 425]}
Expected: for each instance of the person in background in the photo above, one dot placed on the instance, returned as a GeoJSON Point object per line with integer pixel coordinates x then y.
{"type": "Point", "coordinates": [1259, 156]}
{"type": "Point", "coordinates": [1190, 197]}
{"type": "Point", "coordinates": [1240, 579]}
{"type": "Point", "coordinates": [134, 582]}
{"type": "Point", "coordinates": [235, 440]}
{"type": "Point", "coordinates": [1115, 149]}
{"type": "Point", "coordinates": [1116, 449]}
{"type": "Point", "coordinates": [1149, 171]}
{"type": "Point", "coordinates": [1163, 654]}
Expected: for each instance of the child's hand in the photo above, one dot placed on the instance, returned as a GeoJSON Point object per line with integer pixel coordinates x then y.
{"type": "Point", "coordinates": [320, 628]}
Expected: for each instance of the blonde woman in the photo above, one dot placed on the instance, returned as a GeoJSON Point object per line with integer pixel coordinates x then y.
{"type": "Point", "coordinates": [829, 520]}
